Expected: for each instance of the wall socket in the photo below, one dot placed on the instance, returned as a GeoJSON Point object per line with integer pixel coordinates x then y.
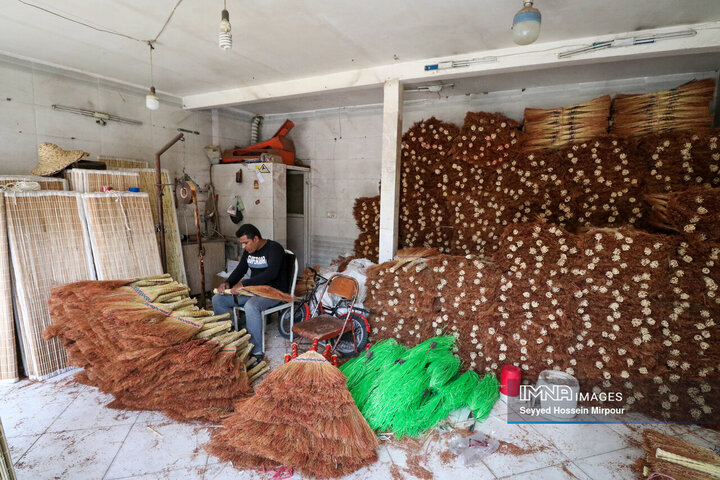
{"type": "Point", "coordinates": [331, 214]}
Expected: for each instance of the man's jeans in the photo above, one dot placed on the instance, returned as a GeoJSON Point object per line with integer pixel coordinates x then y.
{"type": "Point", "coordinates": [253, 317]}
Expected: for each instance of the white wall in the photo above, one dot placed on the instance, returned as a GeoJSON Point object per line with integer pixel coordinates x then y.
{"type": "Point", "coordinates": [28, 91]}
{"type": "Point", "coordinates": [343, 146]}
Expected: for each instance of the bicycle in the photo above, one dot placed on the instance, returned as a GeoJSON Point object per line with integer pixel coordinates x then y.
{"type": "Point", "coordinates": [309, 303]}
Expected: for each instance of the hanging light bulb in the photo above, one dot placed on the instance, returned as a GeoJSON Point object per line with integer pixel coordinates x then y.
{"type": "Point", "coordinates": [151, 100]}
{"type": "Point", "coordinates": [225, 37]}
{"type": "Point", "coordinates": [526, 24]}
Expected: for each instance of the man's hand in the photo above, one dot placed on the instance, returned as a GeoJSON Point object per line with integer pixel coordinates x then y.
{"type": "Point", "coordinates": [222, 287]}
{"type": "Point", "coordinates": [236, 288]}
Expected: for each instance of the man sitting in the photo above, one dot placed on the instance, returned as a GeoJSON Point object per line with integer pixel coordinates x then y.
{"type": "Point", "coordinates": [265, 259]}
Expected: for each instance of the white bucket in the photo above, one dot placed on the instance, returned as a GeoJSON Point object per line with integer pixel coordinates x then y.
{"type": "Point", "coordinates": [552, 378]}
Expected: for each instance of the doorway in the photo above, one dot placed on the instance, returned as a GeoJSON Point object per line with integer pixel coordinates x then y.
{"type": "Point", "coordinates": [297, 214]}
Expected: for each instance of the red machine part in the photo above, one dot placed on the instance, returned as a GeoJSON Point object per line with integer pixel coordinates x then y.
{"type": "Point", "coordinates": [277, 145]}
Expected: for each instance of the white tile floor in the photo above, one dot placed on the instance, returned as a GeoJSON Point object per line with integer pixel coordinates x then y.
{"type": "Point", "coordinates": [59, 429]}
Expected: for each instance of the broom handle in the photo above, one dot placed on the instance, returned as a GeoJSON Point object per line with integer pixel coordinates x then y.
{"type": "Point", "coordinates": [698, 465]}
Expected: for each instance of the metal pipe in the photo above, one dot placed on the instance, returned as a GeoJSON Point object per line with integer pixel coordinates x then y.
{"type": "Point", "coordinates": [159, 193]}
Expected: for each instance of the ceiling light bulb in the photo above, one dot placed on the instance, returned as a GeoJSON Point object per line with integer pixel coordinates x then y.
{"type": "Point", "coordinates": [526, 24]}
{"type": "Point", "coordinates": [151, 100]}
{"type": "Point", "coordinates": [225, 37]}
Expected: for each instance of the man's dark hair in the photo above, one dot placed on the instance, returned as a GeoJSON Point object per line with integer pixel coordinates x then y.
{"type": "Point", "coordinates": [250, 231]}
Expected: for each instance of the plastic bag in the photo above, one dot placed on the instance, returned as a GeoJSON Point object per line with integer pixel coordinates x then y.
{"type": "Point", "coordinates": [474, 448]}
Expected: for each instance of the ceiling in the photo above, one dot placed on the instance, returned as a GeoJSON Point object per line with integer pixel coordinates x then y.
{"type": "Point", "coordinates": [277, 40]}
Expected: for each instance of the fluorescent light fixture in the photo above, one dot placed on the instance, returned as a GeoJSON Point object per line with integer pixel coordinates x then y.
{"type": "Point", "coordinates": [628, 42]}
{"type": "Point", "coordinates": [459, 63]}
{"type": "Point", "coordinates": [429, 88]}
{"type": "Point", "coordinates": [100, 117]}
{"type": "Point", "coordinates": [225, 37]}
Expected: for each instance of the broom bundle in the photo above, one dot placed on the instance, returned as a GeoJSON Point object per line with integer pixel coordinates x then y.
{"type": "Point", "coordinates": [677, 458]}
{"type": "Point", "coordinates": [485, 138]}
{"type": "Point", "coordinates": [366, 211]}
{"type": "Point", "coordinates": [695, 210]}
{"type": "Point", "coordinates": [553, 128]}
{"type": "Point", "coordinates": [265, 291]}
{"type": "Point", "coordinates": [303, 416]}
{"type": "Point", "coordinates": [686, 107]}
{"type": "Point", "coordinates": [168, 355]}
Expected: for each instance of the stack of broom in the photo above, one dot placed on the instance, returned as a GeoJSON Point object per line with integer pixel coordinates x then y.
{"type": "Point", "coordinates": [147, 343]}
{"type": "Point", "coordinates": [683, 108]}
{"type": "Point", "coordinates": [367, 217]}
{"type": "Point", "coordinates": [557, 127]}
{"type": "Point", "coordinates": [301, 416]}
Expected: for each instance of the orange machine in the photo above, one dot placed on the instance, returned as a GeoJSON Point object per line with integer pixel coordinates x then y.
{"type": "Point", "coordinates": [277, 145]}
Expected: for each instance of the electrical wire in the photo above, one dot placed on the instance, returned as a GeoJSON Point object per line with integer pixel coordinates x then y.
{"type": "Point", "coordinates": [106, 30]}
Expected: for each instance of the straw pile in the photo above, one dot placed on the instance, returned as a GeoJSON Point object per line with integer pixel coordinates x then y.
{"type": "Point", "coordinates": [673, 457]}
{"type": "Point", "coordinates": [147, 344]}
{"type": "Point", "coordinates": [46, 183]}
{"type": "Point", "coordinates": [302, 416]}
{"type": "Point", "coordinates": [8, 355]}
{"type": "Point", "coordinates": [86, 181]}
{"type": "Point", "coordinates": [122, 235]}
{"type": "Point", "coordinates": [557, 127]}
{"type": "Point", "coordinates": [618, 308]}
{"type": "Point", "coordinates": [49, 247]}
{"type": "Point", "coordinates": [686, 107]}
{"type": "Point", "coordinates": [485, 138]}
{"type": "Point", "coordinates": [366, 211]}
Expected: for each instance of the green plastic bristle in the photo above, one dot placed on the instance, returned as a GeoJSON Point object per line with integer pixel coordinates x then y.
{"type": "Point", "coordinates": [484, 397]}
{"type": "Point", "coordinates": [457, 393]}
{"type": "Point", "coordinates": [443, 369]}
{"type": "Point", "coordinates": [371, 361]}
{"type": "Point", "coordinates": [364, 383]}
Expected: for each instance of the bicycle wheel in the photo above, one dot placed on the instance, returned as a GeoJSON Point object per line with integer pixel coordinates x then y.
{"type": "Point", "coordinates": [361, 327]}
{"type": "Point", "coordinates": [302, 311]}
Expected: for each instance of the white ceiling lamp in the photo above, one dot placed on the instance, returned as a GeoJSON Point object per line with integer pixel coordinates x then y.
{"type": "Point", "coordinates": [526, 24]}
{"type": "Point", "coordinates": [225, 37]}
{"type": "Point", "coordinates": [151, 100]}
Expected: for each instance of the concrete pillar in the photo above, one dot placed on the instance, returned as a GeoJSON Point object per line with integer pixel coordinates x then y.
{"type": "Point", "coordinates": [390, 169]}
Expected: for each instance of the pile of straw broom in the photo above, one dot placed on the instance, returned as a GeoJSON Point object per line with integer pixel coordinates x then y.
{"type": "Point", "coordinates": [673, 457]}
{"type": "Point", "coordinates": [557, 127]}
{"type": "Point", "coordinates": [367, 216]}
{"type": "Point", "coordinates": [617, 308]}
{"type": "Point", "coordinates": [146, 343]}
{"type": "Point", "coordinates": [302, 416]}
{"type": "Point", "coordinates": [683, 108]}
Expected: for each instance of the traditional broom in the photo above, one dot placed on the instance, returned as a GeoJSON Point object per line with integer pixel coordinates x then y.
{"type": "Point", "coordinates": [265, 291]}
{"type": "Point", "coordinates": [303, 416]}
{"type": "Point", "coordinates": [679, 459]}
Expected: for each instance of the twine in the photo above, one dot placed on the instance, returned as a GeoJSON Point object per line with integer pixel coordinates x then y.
{"type": "Point", "coordinates": [118, 199]}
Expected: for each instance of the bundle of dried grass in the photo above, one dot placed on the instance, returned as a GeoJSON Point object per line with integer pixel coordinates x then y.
{"type": "Point", "coordinates": [366, 211]}
{"type": "Point", "coordinates": [686, 107]}
{"type": "Point", "coordinates": [122, 235]}
{"type": "Point", "coordinates": [677, 458]}
{"type": "Point", "coordinates": [556, 127]}
{"type": "Point", "coordinates": [147, 344]}
{"type": "Point", "coordinates": [486, 138]}
{"type": "Point", "coordinates": [695, 210]}
{"type": "Point", "coordinates": [87, 181]}
{"type": "Point", "coordinates": [302, 416]}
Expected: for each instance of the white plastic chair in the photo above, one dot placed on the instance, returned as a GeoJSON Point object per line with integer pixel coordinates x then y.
{"type": "Point", "coordinates": [278, 308]}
